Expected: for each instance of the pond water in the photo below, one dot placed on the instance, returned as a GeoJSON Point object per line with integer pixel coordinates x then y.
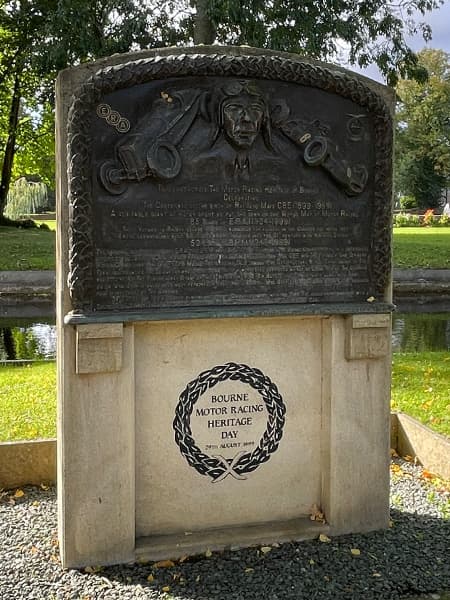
{"type": "Point", "coordinates": [420, 332]}
{"type": "Point", "coordinates": [23, 339]}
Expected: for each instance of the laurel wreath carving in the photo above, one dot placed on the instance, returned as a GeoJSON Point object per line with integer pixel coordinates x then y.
{"type": "Point", "coordinates": [81, 279]}
{"type": "Point", "coordinates": [217, 467]}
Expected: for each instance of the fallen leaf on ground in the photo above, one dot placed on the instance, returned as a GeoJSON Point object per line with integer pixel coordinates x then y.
{"type": "Point", "coordinates": [183, 558]}
{"type": "Point", "coordinates": [428, 475]}
{"type": "Point", "coordinates": [376, 574]}
{"type": "Point", "coordinates": [164, 564]}
{"type": "Point", "coordinates": [265, 549]}
{"type": "Point", "coordinates": [150, 578]}
{"type": "Point", "coordinates": [208, 553]}
{"type": "Point", "coordinates": [19, 494]}
{"type": "Point", "coordinates": [93, 569]}
{"type": "Point", "coordinates": [355, 551]}
{"type": "Point", "coordinates": [166, 588]}
{"type": "Point", "coordinates": [324, 538]}
{"type": "Point", "coordinates": [396, 469]}
{"type": "Point", "coordinates": [317, 514]}
{"type": "Point", "coordinates": [248, 570]}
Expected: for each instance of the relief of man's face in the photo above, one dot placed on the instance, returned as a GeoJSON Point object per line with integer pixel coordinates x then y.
{"type": "Point", "coordinates": [242, 119]}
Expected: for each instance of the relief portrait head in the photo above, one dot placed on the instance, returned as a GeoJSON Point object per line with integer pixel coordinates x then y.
{"type": "Point", "coordinates": [243, 115]}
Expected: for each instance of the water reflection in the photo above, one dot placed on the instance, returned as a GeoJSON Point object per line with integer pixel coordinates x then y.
{"type": "Point", "coordinates": [29, 340]}
{"type": "Point", "coordinates": [420, 332]}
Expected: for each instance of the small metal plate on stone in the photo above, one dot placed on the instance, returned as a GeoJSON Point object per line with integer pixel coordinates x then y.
{"type": "Point", "coordinates": [373, 320]}
{"type": "Point", "coordinates": [367, 337]}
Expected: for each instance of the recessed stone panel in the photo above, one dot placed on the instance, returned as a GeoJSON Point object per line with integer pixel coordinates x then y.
{"type": "Point", "coordinates": [228, 411]}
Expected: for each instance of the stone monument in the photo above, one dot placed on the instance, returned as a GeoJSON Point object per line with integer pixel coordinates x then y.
{"type": "Point", "coordinates": [223, 302]}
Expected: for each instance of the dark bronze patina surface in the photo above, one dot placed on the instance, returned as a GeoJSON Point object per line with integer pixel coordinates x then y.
{"type": "Point", "coordinates": [196, 188]}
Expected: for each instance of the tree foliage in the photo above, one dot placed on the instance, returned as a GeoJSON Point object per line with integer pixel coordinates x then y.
{"type": "Point", "coordinates": [40, 37]}
{"type": "Point", "coordinates": [422, 160]}
{"type": "Point", "coordinates": [372, 31]}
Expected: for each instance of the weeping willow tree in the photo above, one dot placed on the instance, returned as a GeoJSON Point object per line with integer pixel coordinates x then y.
{"type": "Point", "coordinates": [25, 198]}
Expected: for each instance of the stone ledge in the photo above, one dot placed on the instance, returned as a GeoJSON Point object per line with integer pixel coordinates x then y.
{"type": "Point", "coordinates": [157, 547]}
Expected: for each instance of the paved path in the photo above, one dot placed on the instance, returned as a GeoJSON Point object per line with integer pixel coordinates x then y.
{"type": "Point", "coordinates": [27, 294]}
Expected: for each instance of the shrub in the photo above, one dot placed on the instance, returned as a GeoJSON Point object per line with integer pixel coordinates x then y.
{"type": "Point", "coordinates": [406, 220]}
{"type": "Point", "coordinates": [408, 202]}
{"type": "Point", "coordinates": [444, 221]}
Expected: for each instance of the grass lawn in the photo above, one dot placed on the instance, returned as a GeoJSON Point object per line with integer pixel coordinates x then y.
{"type": "Point", "coordinates": [420, 388]}
{"type": "Point", "coordinates": [28, 395]}
{"type": "Point", "coordinates": [51, 224]}
{"type": "Point", "coordinates": [426, 247]}
{"type": "Point", "coordinates": [28, 402]}
{"type": "Point", "coordinates": [26, 249]}
{"type": "Point", "coordinates": [22, 249]}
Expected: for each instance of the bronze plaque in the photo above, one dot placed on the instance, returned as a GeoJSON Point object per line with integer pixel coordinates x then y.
{"type": "Point", "coordinates": [205, 186]}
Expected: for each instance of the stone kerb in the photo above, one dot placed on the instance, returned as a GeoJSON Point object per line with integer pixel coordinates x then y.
{"type": "Point", "coordinates": [27, 463]}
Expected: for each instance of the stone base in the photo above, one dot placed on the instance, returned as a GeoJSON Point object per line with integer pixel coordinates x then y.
{"type": "Point", "coordinates": [132, 484]}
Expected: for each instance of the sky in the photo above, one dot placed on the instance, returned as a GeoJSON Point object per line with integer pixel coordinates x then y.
{"type": "Point", "coordinates": [439, 20]}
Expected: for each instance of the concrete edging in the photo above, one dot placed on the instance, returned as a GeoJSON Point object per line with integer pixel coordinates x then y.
{"type": "Point", "coordinates": [29, 462]}
{"type": "Point", "coordinates": [34, 462]}
{"type": "Point", "coordinates": [412, 438]}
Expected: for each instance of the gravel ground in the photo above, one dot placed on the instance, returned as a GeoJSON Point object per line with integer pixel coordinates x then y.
{"type": "Point", "coordinates": [409, 560]}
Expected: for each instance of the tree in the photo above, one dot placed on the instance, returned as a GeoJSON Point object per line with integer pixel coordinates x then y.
{"type": "Point", "coordinates": [373, 30]}
{"type": "Point", "coordinates": [38, 39]}
{"type": "Point", "coordinates": [422, 152]}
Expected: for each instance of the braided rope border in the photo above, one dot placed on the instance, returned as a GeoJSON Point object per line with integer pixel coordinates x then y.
{"type": "Point", "coordinates": [217, 467]}
{"type": "Point", "coordinates": [81, 278]}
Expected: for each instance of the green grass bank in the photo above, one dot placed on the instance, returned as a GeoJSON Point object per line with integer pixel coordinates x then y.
{"type": "Point", "coordinates": [420, 388]}
{"type": "Point", "coordinates": [34, 249]}
{"type": "Point", "coordinates": [27, 402]}
{"type": "Point", "coordinates": [26, 249]}
{"type": "Point", "coordinates": [422, 247]}
{"type": "Point", "coordinates": [28, 395]}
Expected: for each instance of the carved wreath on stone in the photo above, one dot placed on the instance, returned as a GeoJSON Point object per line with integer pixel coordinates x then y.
{"type": "Point", "coordinates": [217, 467]}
